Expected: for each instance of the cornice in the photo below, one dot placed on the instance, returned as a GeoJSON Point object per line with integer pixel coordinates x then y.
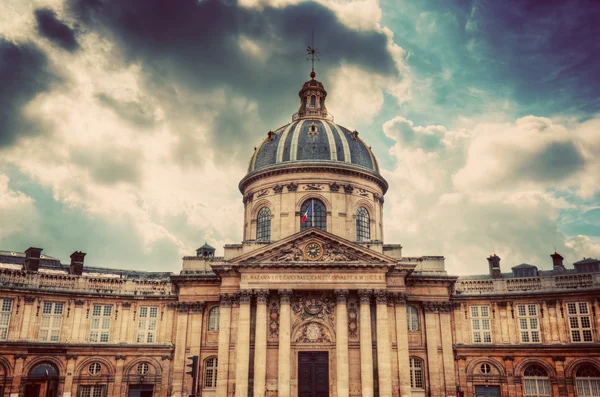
{"type": "Point", "coordinates": [304, 167]}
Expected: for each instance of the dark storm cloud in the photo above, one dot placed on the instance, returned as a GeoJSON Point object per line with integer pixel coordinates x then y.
{"type": "Point", "coordinates": [109, 165]}
{"type": "Point", "coordinates": [49, 26]}
{"type": "Point", "coordinates": [24, 73]}
{"type": "Point", "coordinates": [555, 162]}
{"type": "Point", "coordinates": [132, 112]}
{"type": "Point", "coordinates": [196, 44]}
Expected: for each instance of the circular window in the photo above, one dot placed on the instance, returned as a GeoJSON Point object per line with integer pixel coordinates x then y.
{"type": "Point", "coordinates": [95, 368]}
{"type": "Point", "coordinates": [143, 368]}
{"type": "Point", "coordinates": [485, 369]}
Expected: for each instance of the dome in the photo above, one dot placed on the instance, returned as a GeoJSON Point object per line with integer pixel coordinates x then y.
{"type": "Point", "coordinates": [313, 136]}
{"type": "Point", "coordinates": [313, 140]}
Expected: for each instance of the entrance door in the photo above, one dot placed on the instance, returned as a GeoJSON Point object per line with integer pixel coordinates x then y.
{"type": "Point", "coordinates": [313, 374]}
{"type": "Point", "coordinates": [487, 391]}
{"type": "Point", "coordinates": [140, 391]}
{"type": "Point", "coordinates": [47, 388]}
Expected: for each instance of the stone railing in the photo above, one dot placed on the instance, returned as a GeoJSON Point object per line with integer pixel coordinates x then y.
{"type": "Point", "coordinates": [568, 281]}
{"type": "Point", "coordinates": [103, 285]}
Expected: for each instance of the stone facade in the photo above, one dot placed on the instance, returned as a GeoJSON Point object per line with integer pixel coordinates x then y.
{"type": "Point", "coordinates": [367, 320]}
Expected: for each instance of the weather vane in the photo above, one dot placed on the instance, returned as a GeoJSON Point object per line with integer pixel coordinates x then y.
{"type": "Point", "coordinates": [313, 55]}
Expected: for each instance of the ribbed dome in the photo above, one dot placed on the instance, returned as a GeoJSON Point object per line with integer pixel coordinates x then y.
{"type": "Point", "coordinates": [313, 140]}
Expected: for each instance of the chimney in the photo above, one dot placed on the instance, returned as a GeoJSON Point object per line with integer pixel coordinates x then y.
{"type": "Point", "coordinates": [494, 262]}
{"type": "Point", "coordinates": [77, 263]}
{"type": "Point", "coordinates": [557, 262]}
{"type": "Point", "coordinates": [32, 259]}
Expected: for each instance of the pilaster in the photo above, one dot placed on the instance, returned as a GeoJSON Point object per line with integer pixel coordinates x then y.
{"type": "Point", "coordinates": [402, 345]}
{"type": "Point", "coordinates": [341, 348]}
{"type": "Point", "coordinates": [285, 320]}
{"type": "Point", "coordinates": [384, 347]}
{"type": "Point", "coordinates": [226, 301]}
{"type": "Point", "coordinates": [242, 345]}
{"type": "Point", "coordinates": [260, 344]}
{"type": "Point", "coordinates": [366, 344]}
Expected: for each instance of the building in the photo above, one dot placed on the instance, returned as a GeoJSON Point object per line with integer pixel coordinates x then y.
{"type": "Point", "coordinates": [312, 303]}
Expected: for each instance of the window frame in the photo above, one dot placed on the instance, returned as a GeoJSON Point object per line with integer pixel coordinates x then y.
{"type": "Point", "coordinates": [533, 382]}
{"type": "Point", "coordinates": [51, 316]}
{"type": "Point", "coordinates": [212, 370]}
{"type": "Point", "coordinates": [145, 321]}
{"type": "Point", "coordinates": [92, 388]}
{"type": "Point", "coordinates": [319, 214]}
{"type": "Point", "coordinates": [214, 317]}
{"type": "Point", "coordinates": [529, 320]}
{"type": "Point", "coordinates": [587, 383]}
{"type": "Point", "coordinates": [6, 307]}
{"type": "Point", "coordinates": [580, 319]}
{"type": "Point", "coordinates": [104, 321]}
{"type": "Point", "coordinates": [417, 373]}
{"type": "Point", "coordinates": [363, 224]}
{"type": "Point", "coordinates": [263, 226]}
{"type": "Point", "coordinates": [412, 319]}
{"type": "Point", "coordinates": [481, 330]}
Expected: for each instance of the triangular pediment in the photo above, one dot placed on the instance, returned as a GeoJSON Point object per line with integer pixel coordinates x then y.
{"type": "Point", "coordinates": [314, 246]}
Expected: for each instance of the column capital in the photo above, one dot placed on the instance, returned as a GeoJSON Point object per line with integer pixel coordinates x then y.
{"type": "Point", "coordinates": [262, 295]}
{"type": "Point", "coordinates": [381, 296]}
{"type": "Point", "coordinates": [226, 300]}
{"type": "Point", "coordinates": [341, 296]}
{"type": "Point", "coordinates": [285, 296]}
{"type": "Point", "coordinates": [245, 297]}
{"type": "Point", "coordinates": [398, 298]}
{"type": "Point", "coordinates": [437, 307]}
{"type": "Point", "coordinates": [197, 307]}
{"type": "Point", "coordinates": [365, 295]}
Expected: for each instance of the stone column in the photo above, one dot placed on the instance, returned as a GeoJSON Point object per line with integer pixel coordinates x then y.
{"type": "Point", "coordinates": [260, 344]}
{"type": "Point", "coordinates": [194, 339]}
{"type": "Point", "coordinates": [431, 333]}
{"type": "Point", "coordinates": [179, 357]}
{"type": "Point", "coordinates": [384, 347]}
{"type": "Point", "coordinates": [242, 346]}
{"type": "Point", "coordinates": [341, 347]}
{"type": "Point", "coordinates": [285, 319]}
{"type": "Point", "coordinates": [449, 374]}
{"type": "Point", "coordinates": [366, 344]}
{"type": "Point", "coordinates": [402, 343]}
{"type": "Point", "coordinates": [224, 335]}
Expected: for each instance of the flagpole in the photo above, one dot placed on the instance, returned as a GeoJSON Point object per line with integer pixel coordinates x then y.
{"type": "Point", "coordinates": [312, 213]}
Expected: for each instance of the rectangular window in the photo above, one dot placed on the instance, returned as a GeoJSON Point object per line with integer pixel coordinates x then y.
{"type": "Point", "coordinates": [580, 322]}
{"type": "Point", "coordinates": [92, 391]}
{"type": "Point", "coordinates": [100, 326]}
{"type": "Point", "coordinates": [147, 324]}
{"type": "Point", "coordinates": [5, 311]}
{"type": "Point", "coordinates": [51, 322]}
{"type": "Point", "coordinates": [481, 324]}
{"type": "Point", "coordinates": [529, 323]}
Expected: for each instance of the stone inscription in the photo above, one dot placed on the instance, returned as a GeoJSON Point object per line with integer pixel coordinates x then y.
{"type": "Point", "coordinates": [313, 277]}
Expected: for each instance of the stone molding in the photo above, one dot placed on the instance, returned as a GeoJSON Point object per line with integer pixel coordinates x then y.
{"type": "Point", "coordinates": [29, 299]}
{"type": "Point", "coordinates": [285, 296]}
{"type": "Point", "coordinates": [381, 297]}
{"type": "Point", "coordinates": [245, 297]}
{"type": "Point", "coordinates": [341, 296]}
{"type": "Point", "coordinates": [262, 295]}
{"type": "Point", "coordinates": [226, 300]}
{"type": "Point", "coordinates": [292, 187]}
{"type": "Point", "coordinates": [334, 187]}
{"type": "Point", "coordinates": [437, 307]}
{"type": "Point", "coordinates": [364, 296]}
{"type": "Point", "coordinates": [348, 189]}
{"type": "Point", "coordinates": [120, 358]}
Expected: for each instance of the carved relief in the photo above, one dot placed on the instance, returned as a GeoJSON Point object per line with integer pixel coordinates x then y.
{"type": "Point", "coordinates": [262, 295]}
{"type": "Point", "coordinates": [313, 186]}
{"type": "Point", "coordinates": [380, 297]}
{"type": "Point", "coordinates": [274, 319]}
{"type": "Point", "coordinates": [226, 300]}
{"type": "Point", "coordinates": [334, 187]}
{"type": "Point", "coordinates": [334, 254]}
{"type": "Point", "coordinates": [245, 297]}
{"type": "Point", "coordinates": [277, 188]}
{"type": "Point", "coordinates": [313, 306]}
{"type": "Point", "coordinates": [348, 189]}
{"type": "Point", "coordinates": [292, 187]}
{"type": "Point", "coordinates": [285, 296]}
{"type": "Point", "coordinates": [441, 307]}
{"type": "Point", "coordinates": [248, 198]}
{"type": "Point", "coordinates": [352, 320]}
{"type": "Point", "coordinates": [289, 253]}
{"type": "Point", "coordinates": [365, 296]}
{"type": "Point", "coordinates": [262, 193]}
{"type": "Point", "coordinates": [313, 333]}
{"type": "Point", "coordinates": [341, 296]}
{"type": "Point", "coordinates": [363, 192]}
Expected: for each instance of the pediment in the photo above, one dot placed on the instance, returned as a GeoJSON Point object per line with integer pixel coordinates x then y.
{"type": "Point", "coordinates": [327, 248]}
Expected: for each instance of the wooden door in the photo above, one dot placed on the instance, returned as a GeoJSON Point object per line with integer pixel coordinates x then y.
{"type": "Point", "coordinates": [487, 391]}
{"type": "Point", "coordinates": [313, 374]}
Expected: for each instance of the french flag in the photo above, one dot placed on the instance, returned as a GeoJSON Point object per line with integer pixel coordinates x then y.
{"type": "Point", "coordinates": [306, 214]}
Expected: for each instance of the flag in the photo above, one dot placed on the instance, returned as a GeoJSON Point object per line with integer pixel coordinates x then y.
{"type": "Point", "coordinates": [306, 214]}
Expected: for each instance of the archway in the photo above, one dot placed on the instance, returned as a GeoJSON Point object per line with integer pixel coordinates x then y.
{"type": "Point", "coordinates": [42, 380]}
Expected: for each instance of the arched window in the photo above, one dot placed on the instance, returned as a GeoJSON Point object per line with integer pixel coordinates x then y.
{"type": "Point", "coordinates": [313, 101]}
{"type": "Point", "coordinates": [210, 373]}
{"type": "Point", "coordinates": [363, 224]}
{"type": "Point", "coordinates": [587, 379]}
{"type": "Point", "coordinates": [536, 381]}
{"type": "Point", "coordinates": [263, 224]}
{"type": "Point", "coordinates": [44, 370]}
{"type": "Point", "coordinates": [213, 319]}
{"type": "Point", "coordinates": [416, 373]}
{"type": "Point", "coordinates": [412, 318]}
{"type": "Point", "coordinates": [313, 214]}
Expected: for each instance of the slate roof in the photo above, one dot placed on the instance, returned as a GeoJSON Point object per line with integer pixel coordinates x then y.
{"type": "Point", "coordinates": [297, 143]}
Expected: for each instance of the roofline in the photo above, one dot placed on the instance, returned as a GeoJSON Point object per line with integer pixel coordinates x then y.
{"type": "Point", "coordinates": [290, 167]}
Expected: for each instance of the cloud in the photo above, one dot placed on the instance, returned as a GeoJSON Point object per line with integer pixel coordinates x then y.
{"type": "Point", "coordinates": [24, 73]}
{"type": "Point", "coordinates": [430, 138]}
{"type": "Point", "coordinates": [49, 26]}
{"type": "Point", "coordinates": [138, 113]}
{"type": "Point", "coordinates": [17, 210]}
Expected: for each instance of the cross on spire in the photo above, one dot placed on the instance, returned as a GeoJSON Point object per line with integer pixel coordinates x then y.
{"type": "Point", "coordinates": [313, 54]}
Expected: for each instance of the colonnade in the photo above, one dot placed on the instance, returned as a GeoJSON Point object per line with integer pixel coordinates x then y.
{"type": "Point", "coordinates": [342, 384]}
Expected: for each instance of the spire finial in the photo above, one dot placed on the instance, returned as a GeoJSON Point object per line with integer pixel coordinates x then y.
{"type": "Point", "coordinates": [314, 55]}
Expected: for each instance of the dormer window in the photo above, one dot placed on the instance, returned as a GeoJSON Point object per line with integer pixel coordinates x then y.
{"type": "Point", "coordinates": [524, 270]}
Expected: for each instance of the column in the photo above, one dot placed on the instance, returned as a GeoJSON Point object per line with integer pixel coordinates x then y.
{"type": "Point", "coordinates": [285, 320]}
{"type": "Point", "coordinates": [77, 322]}
{"type": "Point", "coordinates": [260, 344]}
{"type": "Point", "coordinates": [179, 359]}
{"type": "Point", "coordinates": [27, 310]}
{"type": "Point", "coordinates": [445, 309]}
{"type": "Point", "coordinates": [195, 340]}
{"type": "Point", "coordinates": [242, 346]}
{"type": "Point", "coordinates": [384, 347]}
{"type": "Point", "coordinates": [68, 384]}
{"type": "Point", "coordinates": [431, 333]}
{"type": "Point", "coordinates": [224, 336]}
{"type": "Point", "coordinates": [341, 347]}
{"type": "Point", "coordinates": [366, 344]}
{"type": "Point", "coordinates": [402, 343]}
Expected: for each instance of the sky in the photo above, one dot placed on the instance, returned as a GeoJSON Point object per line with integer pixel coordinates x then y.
{"type": "Point", "coordinates": [125, 126]}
